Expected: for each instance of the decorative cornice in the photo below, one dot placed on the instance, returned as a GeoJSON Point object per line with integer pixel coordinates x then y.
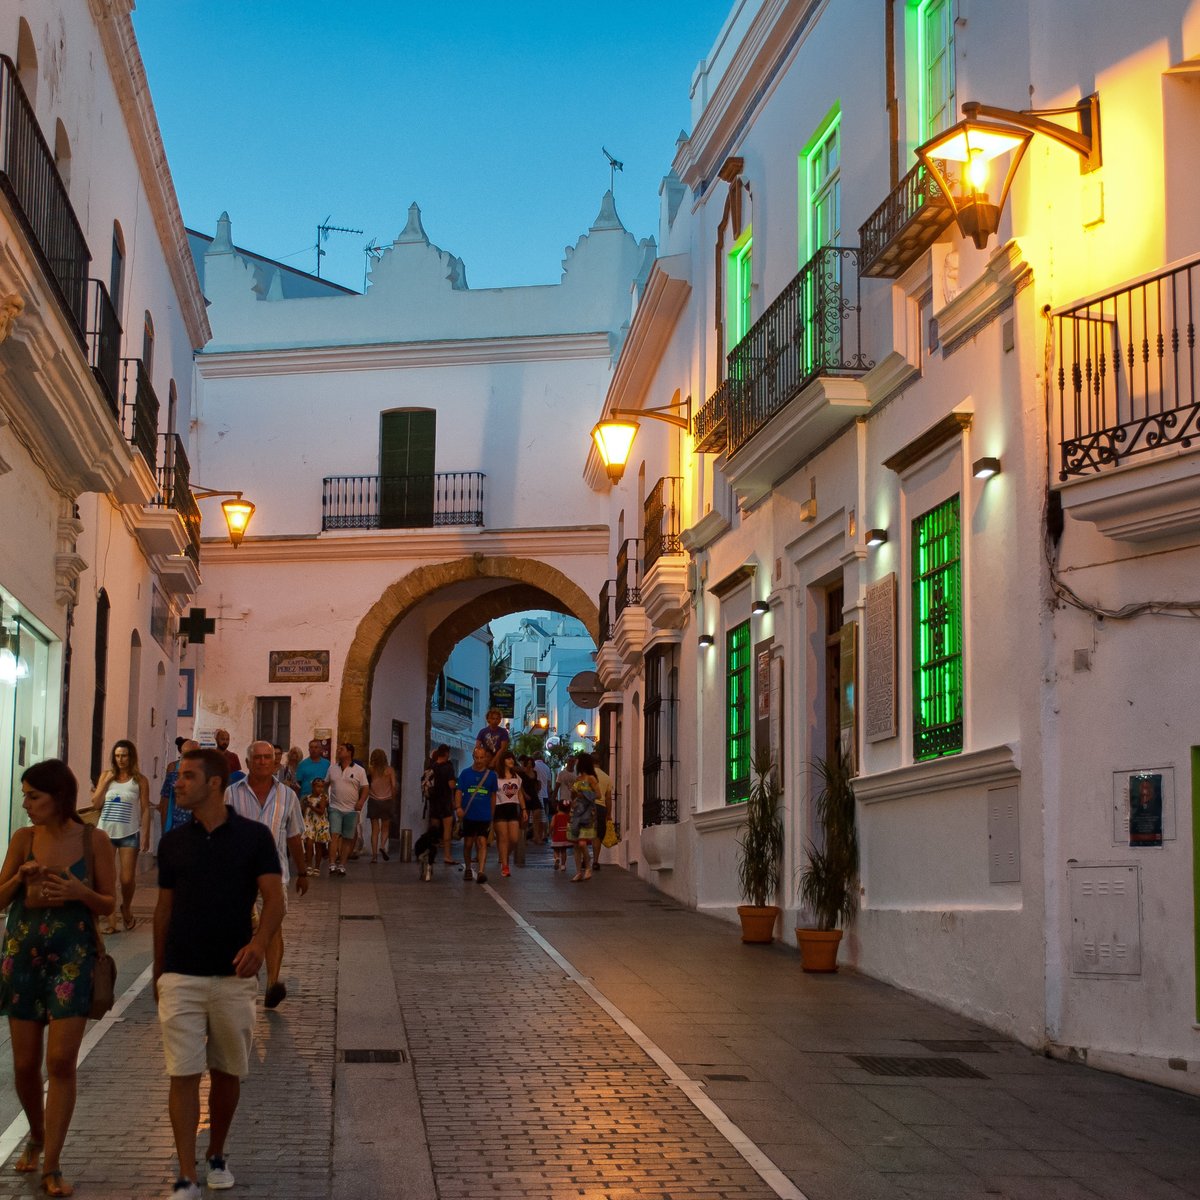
{"type": "Point", "coordinates": [993, 765]}
{"type": "Point", "coordinates": [732, 816]}
{"type": "Point", "coordinates": [128, 73]}
{"type": "Point", "coordinates": [380, 545]}
{"type": "Point", "coordinates": [946, 430]}
{"type": "Point", "coordinates": [705, 531]}
{"type": "Point", "coordinates": [1005, 274]}
{"type": "Point", "coordinates": [374, 356]}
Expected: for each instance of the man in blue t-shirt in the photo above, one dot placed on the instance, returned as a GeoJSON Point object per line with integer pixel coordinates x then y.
{"type": "Point", "coordinates": [315, 766]}
{"type": "Point", "coordinates": [476, 804]}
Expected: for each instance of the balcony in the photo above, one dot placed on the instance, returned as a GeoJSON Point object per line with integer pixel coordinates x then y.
{"type": "Point", "coordinates": [1128, 409]}
{"type": "Point", "coordinates": [402, 501]}
{"type": "Point", "coordinates": [175, 491]}
{"type": "Point", "coordinates": [631, 627]}
{"type": "Point", "coordinates": [665, 565]}
{"type": "Point", "coordinates": [904, 226]}
{"type": "Point", "coordinates": [708, 425]}
{"type": "Point", "coordinates": [31, 181]}
{"type": "Point", "coordinates": [104, 344]}
{"type": "Point", "coordinates": [139, 411]}
{"type": "Point", "coordinates": [608, 660]}
{"type": "Point", "coordinates": [797, 369]}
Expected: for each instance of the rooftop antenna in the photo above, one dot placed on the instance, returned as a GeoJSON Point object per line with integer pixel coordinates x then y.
{"type": "Point", "coordinates": [613, 167]}
{"type": "Point", "coordinates": [323, 232]}
{"type": "Point", "coordinates": [372, 252]}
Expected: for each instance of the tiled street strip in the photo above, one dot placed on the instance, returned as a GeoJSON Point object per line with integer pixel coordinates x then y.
{"type": "Point", "coordinates": [528, 1088]}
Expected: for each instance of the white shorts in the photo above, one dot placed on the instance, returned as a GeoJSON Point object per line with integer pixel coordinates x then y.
{"type": "Point", "coordinates": [207, 1020]}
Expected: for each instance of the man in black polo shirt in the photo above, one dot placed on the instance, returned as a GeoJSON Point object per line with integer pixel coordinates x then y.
{"type": "Point", "coordinates": [207, 956]}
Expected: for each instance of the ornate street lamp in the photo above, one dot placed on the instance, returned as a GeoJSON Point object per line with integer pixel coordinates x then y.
{"type": "Point", "coordinates": [988, 133]}
{"type": "Point", "coordinates": [236, 510]}
{"type": "Point", "coordinates": [614, 435]}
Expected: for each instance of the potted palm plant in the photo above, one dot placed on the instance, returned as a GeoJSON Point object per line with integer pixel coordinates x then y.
{"type": "Point", "coordinates": [829, 881]}
{"type": "Point", "coordinates": [760, 852]}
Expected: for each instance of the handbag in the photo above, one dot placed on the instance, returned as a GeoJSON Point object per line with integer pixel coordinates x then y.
{"type": "Point", "coordinates": [104, 976]}
{"type": "Point", "coordinates": [611, 836]}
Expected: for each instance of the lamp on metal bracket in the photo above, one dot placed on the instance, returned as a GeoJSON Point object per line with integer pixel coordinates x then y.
{"type": "Point", "coordinates": [986, 133]}
{"type": "Point", "coordinates": [236, 509]}
{"type": "Point", "coordinates": [614, 435]}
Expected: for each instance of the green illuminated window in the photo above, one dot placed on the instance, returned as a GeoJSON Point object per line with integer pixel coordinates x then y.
{"type": "Point", "coordinates": [823, 185]}
{"type": "Point", "coordinates": [741, 262]}
{"type": "Point", "coordinates": [737, 714]}
{"type": "Point", "coordinates": [937, 632]}
{"type": "Point", "coordinates": [935, 66]}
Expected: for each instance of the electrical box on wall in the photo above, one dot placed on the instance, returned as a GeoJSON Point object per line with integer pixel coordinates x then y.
{"type": "Point", "coordinates": [1004, 835]}
{"type": "Point", "coordinates": [1106, 924]}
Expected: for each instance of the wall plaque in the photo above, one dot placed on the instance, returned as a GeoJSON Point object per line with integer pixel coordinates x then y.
{"type": "Point", "coordinates": [880, 618]}
{"type": "Point", "coordinates": [298, 666]}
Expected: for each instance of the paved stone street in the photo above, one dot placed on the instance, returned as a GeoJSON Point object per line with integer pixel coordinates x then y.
{"type": "Point", "coordinates": [431, 1046]}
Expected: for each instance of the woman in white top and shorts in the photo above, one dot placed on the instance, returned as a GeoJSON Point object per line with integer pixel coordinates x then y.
{"type": "Point", "coordinates": [123, 797]}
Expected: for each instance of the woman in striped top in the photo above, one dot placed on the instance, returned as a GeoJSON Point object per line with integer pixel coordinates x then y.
{"type": "Point", "coordinates": [123, 797]}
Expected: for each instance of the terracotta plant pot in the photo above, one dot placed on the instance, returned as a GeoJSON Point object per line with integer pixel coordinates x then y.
{"type": "Point", "coordinates": [818, 948]}
{"type": "Point", "coordinates": [758, 924]}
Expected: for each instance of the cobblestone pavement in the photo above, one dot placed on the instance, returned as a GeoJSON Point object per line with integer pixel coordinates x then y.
{"type": "Point", "coordinates": [430, 1048]}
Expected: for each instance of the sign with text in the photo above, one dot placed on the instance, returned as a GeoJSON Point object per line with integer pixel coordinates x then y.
{"type": "Point", "coordinates": [502, 696]}
{"type": "Point", "coordinates": [880, 654]}
{"type": "Point", "coordinates": [298, 666]}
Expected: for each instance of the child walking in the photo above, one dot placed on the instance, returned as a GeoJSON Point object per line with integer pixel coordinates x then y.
{"type": "Point", "coordinates": [558, 835]}
{"type": "Point", "coordinates": [316, 827]}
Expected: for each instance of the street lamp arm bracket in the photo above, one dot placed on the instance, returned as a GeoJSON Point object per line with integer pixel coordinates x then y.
{"type": "Point", "coordinates": [1085, 140]}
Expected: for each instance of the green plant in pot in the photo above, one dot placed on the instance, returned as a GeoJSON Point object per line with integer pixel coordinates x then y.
{"type": "Point", "coordinates": [760, 852]}
{"type": "Point", "coordinates": [829, 881]}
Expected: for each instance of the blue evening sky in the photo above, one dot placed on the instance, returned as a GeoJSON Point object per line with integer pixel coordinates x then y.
{"type": "Point", "coordinates": [490, 115]}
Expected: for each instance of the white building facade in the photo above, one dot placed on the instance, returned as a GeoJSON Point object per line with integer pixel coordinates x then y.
{"type": "Point", "coordinates": [404, 449]}
{"type": "Point", "coordinates": [1007, 659]}
{"type": "Point", "coordinates": [101, 313]}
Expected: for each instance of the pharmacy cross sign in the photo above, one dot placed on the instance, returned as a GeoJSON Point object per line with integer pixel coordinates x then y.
{"type": "Point", "coordinates": [197, 626]}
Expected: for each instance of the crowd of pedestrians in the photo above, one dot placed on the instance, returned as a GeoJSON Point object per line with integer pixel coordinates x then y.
{"type": "Point", "coordinates": [234, 840]}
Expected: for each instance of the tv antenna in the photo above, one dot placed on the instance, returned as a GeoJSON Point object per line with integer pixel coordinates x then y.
{"type": "Point", "coordinates": [614, 166]}
{"type": "Point", "coordinates": [323, 232]}
{"type": "Point", "coordinates": [372, 252]}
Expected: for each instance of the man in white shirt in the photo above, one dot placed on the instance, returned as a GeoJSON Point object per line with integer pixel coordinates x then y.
{"type": "Point", "coordinates": [261, 797]}
{"type": "Point", "coordinates": [347, 783]}
{"type": "Point", "coordinates": [545, 782]}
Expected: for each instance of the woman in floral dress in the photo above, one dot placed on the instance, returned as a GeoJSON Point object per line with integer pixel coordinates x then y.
{"type": "Point", "coordinates": [49, 956]}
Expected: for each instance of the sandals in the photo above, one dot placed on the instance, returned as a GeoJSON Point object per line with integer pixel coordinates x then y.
{"type": "Point", "coordinates": [28, 1162]}
{"type": "Point", "coordinates": [129, 922]}
{"type": "Point", "coordinates": [53, 1184]}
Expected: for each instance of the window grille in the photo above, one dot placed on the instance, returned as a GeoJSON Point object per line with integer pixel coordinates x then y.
{"type": "Point", "coordinates": [737, 714]}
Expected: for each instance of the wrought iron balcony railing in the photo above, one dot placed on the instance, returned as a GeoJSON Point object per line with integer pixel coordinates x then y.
{"type": "Point", "coordinates": [139, 410]}
{"type": "Point", "coordinates": [907, 223]}
{"type": "Point", "coordinates": [629, 574]}
{"type": "Point", "coordinates": [31, 180]}
{"type": "Point", "coordinates": [608, 615]}
{"type": "Point", "coordinates": [402, 501]}
{"type": "Point", "coordinates": [175, 490]}
{"type": "Point", "coordinates": [104, 343]}
{"type": "Point", "coordinates": [812, 329]}
{"type": "Point", "coordinates": [1127, 371]}
{"type": "Point", "coordinates": [660, 525]}
{"type": "Point", "coordinates": [658, 810]}
{"type": "Point", "coordinates": [708, 425]}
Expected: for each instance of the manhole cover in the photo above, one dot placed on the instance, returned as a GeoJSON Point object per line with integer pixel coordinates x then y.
{"type": "Point", "coordinates": [954, 1046]}
{"type": "Point", "coordinates": [374, 1056]}
{"type": "Point", "coordinates": [913, 1068]}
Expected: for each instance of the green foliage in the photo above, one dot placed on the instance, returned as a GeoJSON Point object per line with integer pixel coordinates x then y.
{"type": "Point", "coordinates": [530, 743]}
{"type": "Point", "coordinates": [760, 850]}
{"type": "Point", "coordinates": [829, 883]}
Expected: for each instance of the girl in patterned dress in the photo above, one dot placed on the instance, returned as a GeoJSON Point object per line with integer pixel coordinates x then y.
{"type": "Point", "coordinates": [316, 827]}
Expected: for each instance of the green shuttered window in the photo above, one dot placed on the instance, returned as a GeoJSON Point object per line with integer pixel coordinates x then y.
{"type": "Point", "coordinates": [406, 457]}
{"type": "Point", "coordinates": [937, 632]}
{"type": "Point", "coordinates": [737, 714]}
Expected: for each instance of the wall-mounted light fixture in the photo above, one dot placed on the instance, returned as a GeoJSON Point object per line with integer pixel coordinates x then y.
{"type": "Point", "coordinates": [985, 468]}
{"type": "Point", "coordinates": [759, 607]}
{"type": "Point", "coordinates": [988, 133]}
{"type": "Point", "coordinates": [614, 435]}
{"type": "Point", "coordinates": [706, 641]}
{"type": "Point", "coordinates": [543, 721]}
{"type": "Point", "coordinates": [237, 511]}
{"type": "Point", "coordinates": [876, 537]}
{"type": "Point", "coordinates": [582, 728]}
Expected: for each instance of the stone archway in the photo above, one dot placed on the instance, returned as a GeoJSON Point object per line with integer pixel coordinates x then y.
{"type": "Point", "coordinates": [401, 597]}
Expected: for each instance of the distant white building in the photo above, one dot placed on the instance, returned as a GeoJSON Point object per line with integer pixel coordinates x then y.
{"type": "Point", "coordinates": [405, 451]}
{"type": "Point", "coordinates": [936, 503]}
{"type": "Point", "coordinates": [459, 704]}
{"type": "Point", "coordinates": [100, 311]}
